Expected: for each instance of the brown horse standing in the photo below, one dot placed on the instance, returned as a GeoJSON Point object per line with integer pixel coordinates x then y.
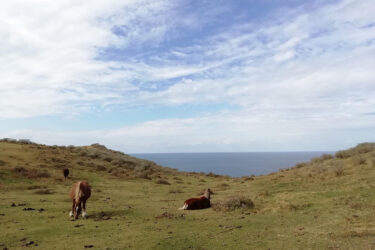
{"type": "Point", "coordinates": [79, 194]}
{"type": "Point", "coordinates": [198, 203]}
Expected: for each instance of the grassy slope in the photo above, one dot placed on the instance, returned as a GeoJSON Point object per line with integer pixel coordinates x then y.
{"type": "Point", "coordinates": [327, 203]}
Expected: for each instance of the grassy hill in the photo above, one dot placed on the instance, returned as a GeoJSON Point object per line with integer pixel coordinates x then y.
{"type": "Point", "coordinates": [327, 203]}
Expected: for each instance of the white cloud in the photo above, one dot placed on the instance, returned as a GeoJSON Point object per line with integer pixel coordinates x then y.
{"type": "Point", "coordinates": [49, 52]}
{"type": "Point", "coordinates": [303, 74]}
{"type": "Point", "coordinates": [247, 130]}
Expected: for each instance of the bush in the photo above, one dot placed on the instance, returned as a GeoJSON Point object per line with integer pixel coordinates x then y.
{"type": "Point", "coordinates": [101, 168]}
{"type": "Point", "coordinates": [143, 175]}
{"type": "Point", "coordinates": [300, 165]}
{"type": "Point", "coordinates": [34, 173]}
{"type": "Point", "coordinates": [20, 170]}
{"type": "Point", "coordinates": [359, 160]}
{"type": "Point", "coordinates": [210, 174]}
{"type": "Point", "coordinates": [339, 170]}
{"type": "Point", "coordinates": [322, 158]}
{"type": "Point", "coordinates": [222, 185]}
{"type": "Point", "coordinates": [162, 181]}
{"type": "Point", "coordinates": [247, 178]}
{"type": "Point", "coordinates": [342, 154]}
{"type": "Point", "coordinates": [234, 203]}
{"type": "Point", "coordinates": [108, 159]}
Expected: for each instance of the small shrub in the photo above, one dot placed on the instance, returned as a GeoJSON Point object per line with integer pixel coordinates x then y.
{"type": "Point", "coordinates": [359, 160]}
{"type": "Point", "coordinates": [264, 193]}
{"type": "Point", "coordinates": [108, 159]}
{"type": "Point", "coordinates": [248, 178]}
{"type": "Point", "coordinates": [223, 185]}
{"type": "Point", "coordinates": [34, 173]}
{"type": "Point", "coordinates": [365, 147]}
{"type": "Point", "coordinates": [322, 158]}
{"type": "Point", "coordinates": [117, 172]}
{"type": "Point", "coordinates": [162, 181]}
{"type": "Point", "coordinates": [143, 175]}
{"type": "Point", "coordinates": [210, 174]}
{"type": "Point", "coordinates": [319, 169]}
{"type": "Point", "coordinates": [2, 163]}
{"type": "Point", "coordinates": [234, 203]}
{"type": "Point", "coordinates": [98, 146]}
{"type": "Point", "coordinates": [342, 154]}
{"type": "Point", "coordinates": [20, 170]}
{"type": "Point", "coordinates": [83, 153]}
{"type": "Point", "coordinates": [287, 206]}
{"type": "Point", "coordinates": [338, 170]}
{"type": "Point", "coordinates": [93, 155]}
{"type": "Point", "coordinates": [300, 165]}
{"type": "Point", "coordinates": [325, 157]}
{"type": "Point", "coordinates": [91, 165]}
{"type": "Point", "coordinates": [101, 168]}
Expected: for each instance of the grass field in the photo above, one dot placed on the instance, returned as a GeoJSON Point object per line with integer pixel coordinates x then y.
{"type": "Point", "coordinates": [328, 203]}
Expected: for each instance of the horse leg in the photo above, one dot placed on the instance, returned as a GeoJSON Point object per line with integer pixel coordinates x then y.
{"type": "Point", "coordinates": [71, 213]}
{"type": "Point", "coordinates": [77, 210]}
{"type": "Point", "coordinates": [84, 214]}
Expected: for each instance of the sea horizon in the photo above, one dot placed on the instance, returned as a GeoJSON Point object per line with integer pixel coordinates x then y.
{"type": "Point", "coordinates": [233, 164]}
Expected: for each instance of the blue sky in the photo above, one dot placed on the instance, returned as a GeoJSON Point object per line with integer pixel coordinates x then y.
{"type": "Point", "coordinates": [189, 76]}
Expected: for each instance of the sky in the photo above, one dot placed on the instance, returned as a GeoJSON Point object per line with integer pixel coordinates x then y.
{"type": "Point", "coordinates": [145, 76]}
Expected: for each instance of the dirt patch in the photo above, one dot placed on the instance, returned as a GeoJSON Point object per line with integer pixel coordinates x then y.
{"type": "Point", "coordinates": [44, 191]}
{"type": "Point", "coordinates": [167, 215]}
{"type": "Point", "coordinates": [102, 216]}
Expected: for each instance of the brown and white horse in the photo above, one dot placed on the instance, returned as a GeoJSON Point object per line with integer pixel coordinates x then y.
{"type": "Point", "coordinates": [79, 194]}
{"type": "Point", "coordinates": [198, 203]}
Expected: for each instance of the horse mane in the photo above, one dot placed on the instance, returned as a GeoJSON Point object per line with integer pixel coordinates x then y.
{"type": "Point", "coordinates": [78, 192]}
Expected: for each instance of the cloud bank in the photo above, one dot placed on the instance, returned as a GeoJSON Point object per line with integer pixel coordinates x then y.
{"type": "Point", "coordinates": [302, 78]}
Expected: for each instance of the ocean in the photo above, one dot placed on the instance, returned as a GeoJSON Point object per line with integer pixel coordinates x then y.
{"type": "Point", "coordinates": [232, 164]}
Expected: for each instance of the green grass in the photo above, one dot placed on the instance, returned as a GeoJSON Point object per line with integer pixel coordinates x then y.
{"type": "Point", "coordinates": [298, 208]}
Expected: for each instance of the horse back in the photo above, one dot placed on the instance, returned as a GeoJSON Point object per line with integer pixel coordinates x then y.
{"type": "Point", "coordinates": [85, 189]}
{"type": "Point", "coordinates": [80, 190]}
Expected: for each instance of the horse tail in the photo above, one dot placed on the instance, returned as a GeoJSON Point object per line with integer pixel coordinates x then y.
{"type": "Point", "coordinates": [184, 207]}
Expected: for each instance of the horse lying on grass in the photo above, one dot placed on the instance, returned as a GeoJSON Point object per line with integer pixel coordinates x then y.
{"type": "Point", "coordinates": [79, 194]}
{"type": "Point", "coordinates": [198, 203]}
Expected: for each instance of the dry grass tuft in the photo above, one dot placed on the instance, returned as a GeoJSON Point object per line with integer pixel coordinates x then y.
{"type": "Point", "coordinates": [31, 173]}
{"type": "Point", "coordinates": [338, 170]}
{"type": "Point", "coordinates": [222, 185]}
{"type": "Point", "coordinates": [233, 203]}
{"type": "Point", "coordinates": [143, 175]}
